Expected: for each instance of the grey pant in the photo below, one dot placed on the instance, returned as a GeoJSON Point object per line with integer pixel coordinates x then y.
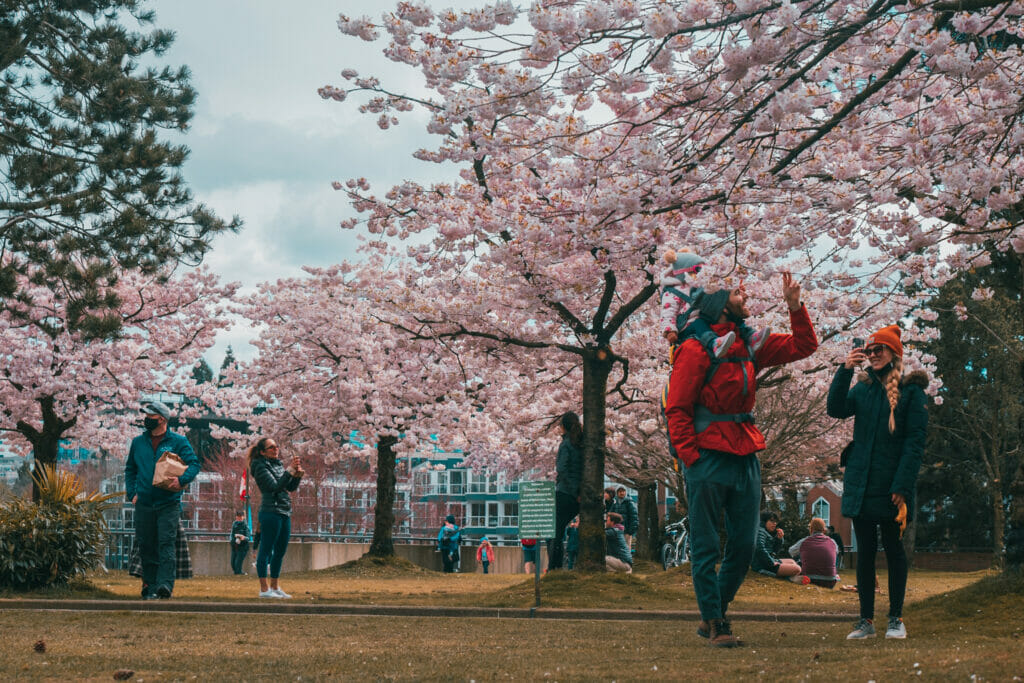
{"type": "Point", "coordinates": [156, 530]}
{"type": "Point", "coordinates": [720, 482]}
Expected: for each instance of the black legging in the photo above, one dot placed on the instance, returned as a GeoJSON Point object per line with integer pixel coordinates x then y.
{"type": "Point", "coordinates": [895, 558]}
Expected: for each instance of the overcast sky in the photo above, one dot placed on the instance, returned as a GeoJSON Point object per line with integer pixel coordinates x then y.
{"type": "Point", "coordinates": [266, 147]}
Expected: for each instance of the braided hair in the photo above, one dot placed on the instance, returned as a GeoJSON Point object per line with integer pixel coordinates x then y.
{"type": "Point", "coordinates": [892, 389]}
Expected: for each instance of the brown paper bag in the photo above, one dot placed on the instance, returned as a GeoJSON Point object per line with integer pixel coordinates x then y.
{"type": "Point", "coordinates": [170, 466]}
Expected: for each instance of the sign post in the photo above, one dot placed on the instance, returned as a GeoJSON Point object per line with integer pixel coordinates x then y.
{"type": "Point", "coordinates": [537, 520]}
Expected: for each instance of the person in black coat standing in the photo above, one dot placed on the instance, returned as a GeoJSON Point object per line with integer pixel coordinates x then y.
{"type": "Point", "coordinates": [275, 516]}
{"type": "Point", "coordinates": [239, 542]}
{"type": "Point", "coordinates": [568, 478]}
{"type": "Point", "coordinates": [625, 506]}
{"type": "Point", "coordinates": [890, 423]}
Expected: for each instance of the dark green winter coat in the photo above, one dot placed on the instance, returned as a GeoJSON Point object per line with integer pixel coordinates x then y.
{"type": "Point", "coordinates": [880, 464]}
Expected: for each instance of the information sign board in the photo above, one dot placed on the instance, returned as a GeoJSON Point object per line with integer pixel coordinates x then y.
{"type": "Point", "coordinates": [537, 509]}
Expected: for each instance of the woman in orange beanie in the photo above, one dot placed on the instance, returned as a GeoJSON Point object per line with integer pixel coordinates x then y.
{"type": "Point", "coordinates": [890, 422]}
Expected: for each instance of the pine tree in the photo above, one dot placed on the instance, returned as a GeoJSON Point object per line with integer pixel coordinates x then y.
{"type": "Point", "coordinates": [86, 176]}
{"type": "Point", "coordinates": [975, 434]}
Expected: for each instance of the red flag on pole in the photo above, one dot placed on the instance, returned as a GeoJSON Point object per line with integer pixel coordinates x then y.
{"type": "Point", "coordinates": [243, 489]}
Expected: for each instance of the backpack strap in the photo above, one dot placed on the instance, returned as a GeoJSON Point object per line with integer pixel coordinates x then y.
{"type": "Point", "coordinates": [702, 418]}
{"type": "Point", "coordinates": [716, 363]}
{"type": "Point", "coordinates": [679, 293]}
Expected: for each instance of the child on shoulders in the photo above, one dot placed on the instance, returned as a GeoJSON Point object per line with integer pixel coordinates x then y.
{"type": "Point", "coordinates": [680, 316]}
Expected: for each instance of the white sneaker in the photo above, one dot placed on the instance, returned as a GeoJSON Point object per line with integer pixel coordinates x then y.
{"type": "Point", "coordinates": [864, 629]}
{"type": "Point", "coordinates": [279, 593]}
{"type": "Point", "coordinates": [896, 628]}
{"type": "Point", "coordinates": [269, 594]}
{"type": "Point", "coordinates": [721, 345]}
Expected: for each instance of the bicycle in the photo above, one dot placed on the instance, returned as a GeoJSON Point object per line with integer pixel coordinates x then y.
{"type": "Point", "coordinates": [676, 549]}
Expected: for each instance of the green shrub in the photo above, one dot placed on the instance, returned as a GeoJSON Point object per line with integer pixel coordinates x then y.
{"type": "Point", "coordinates": [54, 540]}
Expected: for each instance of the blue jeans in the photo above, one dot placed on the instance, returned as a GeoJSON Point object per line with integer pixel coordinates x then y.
{"type": "Point", "coordinates": [275, 530]}
{"type": "Point", "coordinates": [721, 482]}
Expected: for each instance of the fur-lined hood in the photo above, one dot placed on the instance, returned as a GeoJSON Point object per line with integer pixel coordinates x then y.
{"type": "Point", "coordinates": [918, 377]}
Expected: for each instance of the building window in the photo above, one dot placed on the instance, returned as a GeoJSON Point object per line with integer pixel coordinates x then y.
{"type": "Point", "coordinates": [821, 509]}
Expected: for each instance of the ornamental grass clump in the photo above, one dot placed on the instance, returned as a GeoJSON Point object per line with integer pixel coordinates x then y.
{"type": "Point", "coordinates": [60, 537]}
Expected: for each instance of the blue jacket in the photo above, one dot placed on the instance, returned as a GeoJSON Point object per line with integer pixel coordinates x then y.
{"type": "Point", "coordinates": [141, 463]}
{"type": "Point", "coordinates": [766, 547]}
{"type": "Point", "coordinates": [453, 540]}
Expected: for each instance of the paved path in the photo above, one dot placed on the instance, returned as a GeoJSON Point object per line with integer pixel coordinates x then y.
{"type": "Point", "coordinates": [292, 607]}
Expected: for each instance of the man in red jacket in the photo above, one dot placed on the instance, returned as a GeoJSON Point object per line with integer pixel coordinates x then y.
{"type": "Point", "coordinates": [708, 407]}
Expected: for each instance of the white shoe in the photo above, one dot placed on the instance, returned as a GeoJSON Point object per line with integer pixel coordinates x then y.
{"type": "Point", "coordinates": [279, 593]}
{"type": "Point", "coordinates": [896, 628]}
{"type": "Point", "coordinates": [864, 629]}
{"type": "Point", "coordinates": [269, 594]}
{"type": "Point", "coordinates": [721, 345]}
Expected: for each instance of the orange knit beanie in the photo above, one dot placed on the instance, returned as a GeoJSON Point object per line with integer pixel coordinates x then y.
{"type": "Point", "coordinates": [889, 336]}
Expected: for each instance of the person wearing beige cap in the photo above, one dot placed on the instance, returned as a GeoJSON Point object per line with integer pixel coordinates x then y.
{"type": "Point", "coordinates": [157, 504]}
{"type": "Point", "coordinates": [890, 421]}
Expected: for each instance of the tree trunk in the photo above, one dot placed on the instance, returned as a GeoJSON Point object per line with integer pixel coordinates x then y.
{"type": "Point", "coordinates": [648, 533]}
{"type": "Point", "coordinates": [1015, 533]}
{"type": "Point", "coordinates": [597, 366]}
{"type": "Point", "coordinates": [998, 523]}
{"type": "Point", "coordinates": [46, 441]}
{"type": "Point", "coordinates": [383, 544]}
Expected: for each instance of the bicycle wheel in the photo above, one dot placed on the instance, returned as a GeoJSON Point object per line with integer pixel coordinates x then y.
{"type": "Point", "coordinates": [668, 556]}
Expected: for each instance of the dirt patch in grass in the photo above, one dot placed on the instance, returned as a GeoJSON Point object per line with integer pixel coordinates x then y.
{"type": "Point", "coordinates": [372, 567]}
{"type": "Point", "coordinates": [590, 591]}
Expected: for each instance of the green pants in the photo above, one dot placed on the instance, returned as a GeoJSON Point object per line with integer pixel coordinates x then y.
{"type": "Point", "coordinates": [721, 482]}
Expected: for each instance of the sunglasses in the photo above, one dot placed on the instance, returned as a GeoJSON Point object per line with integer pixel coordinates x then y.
{"type": "Point", "coordinates": [874, 350]}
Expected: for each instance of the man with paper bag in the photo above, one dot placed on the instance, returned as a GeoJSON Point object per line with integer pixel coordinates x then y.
{"type": "Point", "coordinates": [159, 466]}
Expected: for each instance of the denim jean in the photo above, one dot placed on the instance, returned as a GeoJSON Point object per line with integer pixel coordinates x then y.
{"type": "Point", "coordinates": [721, 482]}
{"type": "Point", "coordinates": [275, 530]}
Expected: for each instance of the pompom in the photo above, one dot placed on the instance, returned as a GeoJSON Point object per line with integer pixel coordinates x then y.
{"type": "Point", "coordinates": [670, 256]}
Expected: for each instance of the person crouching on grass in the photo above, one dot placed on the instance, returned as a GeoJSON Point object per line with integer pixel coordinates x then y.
{"type": "Point", "coordinates": [890, 422]}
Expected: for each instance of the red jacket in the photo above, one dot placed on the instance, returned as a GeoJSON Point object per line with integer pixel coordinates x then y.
{"type": "Point", "coordinates": [485, 549]}
{"type": "Point", "coordinates": [724, 394]}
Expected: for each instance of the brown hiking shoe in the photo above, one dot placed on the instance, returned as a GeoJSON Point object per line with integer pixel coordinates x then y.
{"type": "Point", "coordinates": [704, 629]}
{"type": "Point", "coordinates": [721, 634]}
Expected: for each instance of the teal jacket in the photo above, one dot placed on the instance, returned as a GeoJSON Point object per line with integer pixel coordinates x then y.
{"type": "Point", "coordinates": [880, 463]}
{"type": "Point", "coordinates": [141, 463]}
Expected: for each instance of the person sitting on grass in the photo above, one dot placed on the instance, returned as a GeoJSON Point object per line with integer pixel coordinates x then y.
{"type": "Point", "coordinates": [767, 547]}
{"type": "Point", "coordinates": [618, 559]}
{"type": "Point", "coordinates": [817, 554]}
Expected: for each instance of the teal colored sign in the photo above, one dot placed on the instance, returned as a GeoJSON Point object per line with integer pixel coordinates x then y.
{"type": "Point", "coordinates": [537, 509]}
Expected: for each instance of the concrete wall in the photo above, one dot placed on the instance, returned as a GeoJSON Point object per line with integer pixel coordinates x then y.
{"type": "Point", "coordinates": [213, 558]}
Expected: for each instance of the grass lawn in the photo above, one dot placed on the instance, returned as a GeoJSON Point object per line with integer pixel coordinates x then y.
{"type": "Point", "coordinates": [367, 582]}
{"type": "Point", "coordinates": [975, 631]}
{"type": "Point", "coordinates": [960, 625]}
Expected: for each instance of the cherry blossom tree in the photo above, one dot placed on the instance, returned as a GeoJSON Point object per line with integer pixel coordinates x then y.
{"type": "Point", "coordinates": [63, 377]}
{"type": "Point", "coordinates": [328, 368]}
{"type": "Point", "coordinates": [846, 142]}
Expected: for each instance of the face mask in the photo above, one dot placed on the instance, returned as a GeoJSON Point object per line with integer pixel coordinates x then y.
{"type": "Point", "coordinates": [151, 423]}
